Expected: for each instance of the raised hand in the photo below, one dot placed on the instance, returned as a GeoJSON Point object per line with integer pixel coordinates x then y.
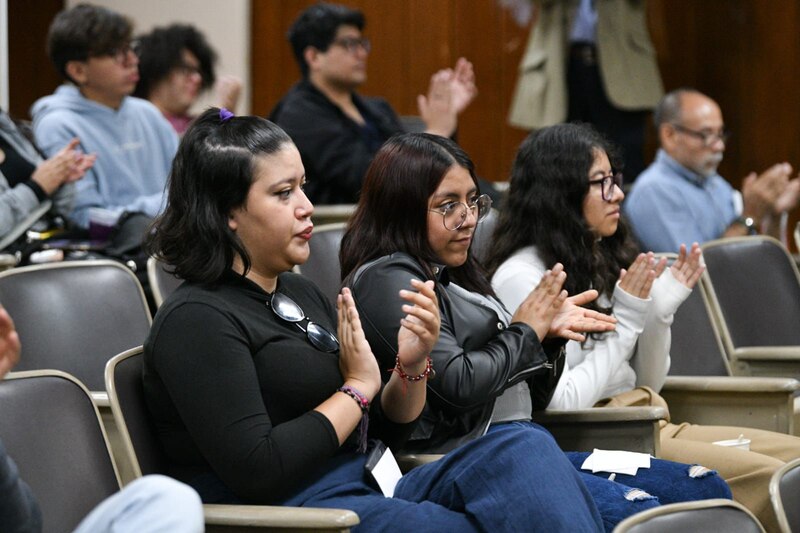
{"type": "Point", "coordinates": [760, 193]}
{"type": "Point", "coordinates": [638, 279]}
{"type": "Point", "coordinates": [436, 108]}
{"type": "Point", "coordinates": [227, 90]}
{"type": "Point", "coordinates": [572, 320]}
{"type": "Point", "coordinates": [689, 266]}
{"type": "Point", "coordinates": [9, 343]}
{"type": "Point", "coordinates": [356, 362]}
{"type": "Point", "coordinates": [788, 199]}
{"type": "Point", "coordinates": [463, 86]}
{"type": "Point", "coordinates": [419, 329]}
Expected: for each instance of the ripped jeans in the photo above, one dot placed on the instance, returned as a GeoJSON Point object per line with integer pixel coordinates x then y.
{"type": "Point", "coordinates": [664, 482]}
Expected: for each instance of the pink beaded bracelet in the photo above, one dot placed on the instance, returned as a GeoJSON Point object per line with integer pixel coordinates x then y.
{"type": "Point", "coordinates": [363, 403]}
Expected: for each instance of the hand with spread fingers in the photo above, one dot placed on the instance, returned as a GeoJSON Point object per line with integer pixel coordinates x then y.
{"type": "Point", "coordinates": [688, 267]}
{"type": "Point", "coordinates": [573, 321]}
{"type": "Point", "coordinates": [543, 303]}
{"type": "Point", "coordinates": [638, 279]}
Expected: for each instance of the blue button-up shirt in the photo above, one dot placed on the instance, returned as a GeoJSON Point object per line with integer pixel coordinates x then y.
{"type": "Point", "coordinates": [670, 204]}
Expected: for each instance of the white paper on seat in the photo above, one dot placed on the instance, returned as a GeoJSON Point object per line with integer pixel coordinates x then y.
{"type": "Point", "coordinates": [617, 461]}
{"type": "Point", "coordinates": [387, 473]}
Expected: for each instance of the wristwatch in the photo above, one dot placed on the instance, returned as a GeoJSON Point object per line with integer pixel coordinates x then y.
{"type": "Point", "coordinates": [749, 223]}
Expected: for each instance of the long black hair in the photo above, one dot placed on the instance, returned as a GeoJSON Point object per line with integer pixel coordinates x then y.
{"type": "Point", "coordinates": [544, 207]}
{"type": "Point", "coordinates": [392, 212]}
{"type": "Point", "coordinates": [210, 177]}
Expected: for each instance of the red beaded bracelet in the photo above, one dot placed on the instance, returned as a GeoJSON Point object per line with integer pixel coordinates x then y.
{"type": "Point", "coordinates": [428, 372]}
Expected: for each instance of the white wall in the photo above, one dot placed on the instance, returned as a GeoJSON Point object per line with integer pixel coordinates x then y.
{"type": "Point", "coordinates": [226, 25]}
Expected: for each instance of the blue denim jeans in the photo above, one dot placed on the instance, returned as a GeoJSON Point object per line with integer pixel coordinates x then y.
{"type": "Point", "coordinates": [669, 481]}
{"type": "Point", "coordinates": [510, 480]}
{"type": "Point", "coordinates": [664, 482]}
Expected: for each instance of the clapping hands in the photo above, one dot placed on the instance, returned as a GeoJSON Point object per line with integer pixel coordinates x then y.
{"type": "Point", "coordinates": [450, 92]}
{"type": "Point", "coordinates": [67, 165]}
{"type": "Point", "coordinates": [550, 312]}
{"type": "Point", "coordinates": [419, 329]}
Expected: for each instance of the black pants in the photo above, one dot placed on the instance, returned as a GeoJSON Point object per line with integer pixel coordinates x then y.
{"type": "Point", "coordinates": [588, 102]}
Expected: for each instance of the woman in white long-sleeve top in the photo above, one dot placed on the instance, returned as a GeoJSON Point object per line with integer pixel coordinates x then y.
{"type": "Point", "coordinates": [564, 206]}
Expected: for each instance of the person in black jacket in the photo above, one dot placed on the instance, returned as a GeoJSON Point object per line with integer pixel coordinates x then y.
{"type": "Point", "coordinates": [415, 220]}
{"type": "Point", "coordinates": [338, 131]}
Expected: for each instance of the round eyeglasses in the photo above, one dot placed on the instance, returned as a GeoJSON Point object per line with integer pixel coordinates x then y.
{"type": "Point", "coordinates": [287, 309]}
{"type": "Point", "coordinates": [607, 184]}
{"type": "Point", "coordinates": [454, 214]}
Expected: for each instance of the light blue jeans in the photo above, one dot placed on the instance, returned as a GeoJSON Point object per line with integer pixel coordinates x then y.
{"type": "Point", "coordinates": [152, 503]}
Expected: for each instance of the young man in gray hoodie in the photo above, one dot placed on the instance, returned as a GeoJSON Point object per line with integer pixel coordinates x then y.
{"type": "Point", "coordinates": [90, 47]}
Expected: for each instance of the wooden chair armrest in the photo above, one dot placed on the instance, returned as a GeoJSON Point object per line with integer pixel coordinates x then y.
{"type": "Point", "coordinates": [268, 517]}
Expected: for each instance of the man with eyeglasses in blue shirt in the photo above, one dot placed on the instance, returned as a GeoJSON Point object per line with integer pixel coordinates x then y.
{"type": "Point", "coordinates": [680, 197]}
{"type": "Point", "coordinates": [338, 131]}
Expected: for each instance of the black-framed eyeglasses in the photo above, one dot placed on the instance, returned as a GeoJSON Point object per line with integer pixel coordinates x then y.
{"type": "Point", "coordinates": [187, 70]}
{"type": "Point", "coordinates": [607, 184]}
{"type": "Point", "coordinates": [351, 44]}
{"type": "Point", "coordinates": [287, 309]}
{"type": "Point", "coordinates": [707, 137]}
{"type": "Point", "coordinates": [121, 54]}
{"type": "Point", "coordinates": [454, 214]}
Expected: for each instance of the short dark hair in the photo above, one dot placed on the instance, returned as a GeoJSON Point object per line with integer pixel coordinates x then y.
{"type": "Point", "coordinates": [85, 31]}
{"type": "Point", "coordinates": [544, 207]}
{"type": "Point", "coordinates": [210, 177]}
{"type": "Point", "coordinates": [670, 109]}
{"type": "Point", "coordinates": [317, 26]}
{"type": "Point", "coordinates": [392, 211]}
{"type": "Point", "coordinates": [160, 52]}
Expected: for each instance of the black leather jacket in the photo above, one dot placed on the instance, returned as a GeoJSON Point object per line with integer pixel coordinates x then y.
{"type": "Point", "coordinates": [475, 359]}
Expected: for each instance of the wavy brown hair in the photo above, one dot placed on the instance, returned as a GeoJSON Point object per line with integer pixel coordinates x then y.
{"type": "Point", "coordinates": [544, 207]}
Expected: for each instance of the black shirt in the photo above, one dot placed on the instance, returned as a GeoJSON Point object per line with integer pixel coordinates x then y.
{"type": "Point", "coordinates": [232, 388]}
{"type": "Point", "coordinates": [336, 151]}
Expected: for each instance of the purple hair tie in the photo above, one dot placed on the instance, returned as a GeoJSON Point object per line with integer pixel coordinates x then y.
{"type": "Point", "coordinates": [225, 115]}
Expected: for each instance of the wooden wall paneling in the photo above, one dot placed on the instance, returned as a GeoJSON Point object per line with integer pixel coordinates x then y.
{"type": "Point", "coordinates": [274, 69]}
{"type": "Point", "coordinates": [478, 38]}
{"type": "Point", "coordinates": [31, 75]}
{"type": "Point", "coordinates": [429, 47]}
{"type": "Point", "coordinates": [388, 28]}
